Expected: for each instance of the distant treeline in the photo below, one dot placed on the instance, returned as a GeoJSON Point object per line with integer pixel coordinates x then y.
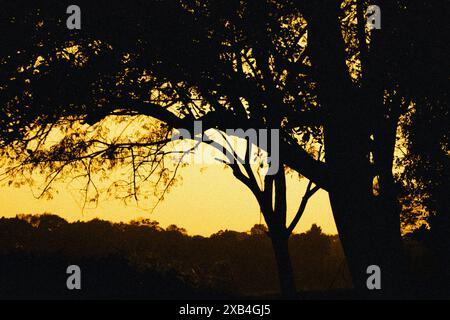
{"type": "Point", "coordinates": [142, 260]}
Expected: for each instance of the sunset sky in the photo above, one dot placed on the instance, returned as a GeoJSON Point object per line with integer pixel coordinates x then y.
{"type": "Point", "coordinates": [208, 199]}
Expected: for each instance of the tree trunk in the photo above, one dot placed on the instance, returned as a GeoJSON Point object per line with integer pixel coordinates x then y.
{"type": "Point", "coordinates": [286, 278]}
{"type": "Point", "coordinates": [368, 226]}
{"type": "Point", "coordinates": [368, 241]}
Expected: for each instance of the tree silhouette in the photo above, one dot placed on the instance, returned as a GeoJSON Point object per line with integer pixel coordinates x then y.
{"type": "Point", "coordinates": [131, 260]}
{"type": "Point", "coordinates": [311, 70]}
{"type": "Point", "coordinates": [425, 178]}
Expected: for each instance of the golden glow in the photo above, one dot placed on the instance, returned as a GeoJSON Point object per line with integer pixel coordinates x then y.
{"type": "Point", "coordinates": [208, 199]}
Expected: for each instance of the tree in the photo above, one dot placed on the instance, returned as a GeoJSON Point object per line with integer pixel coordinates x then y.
{"type": "Point", "coordinates": [112, 83]}
{"type": "Point", "coordinates": [259, 230]}
{"type": "Point", "coordinates": [360, 135]}
{"type": "Point", "coordinates": [425, 178]}
{"type": "Point", "coordinates": [311, 70]}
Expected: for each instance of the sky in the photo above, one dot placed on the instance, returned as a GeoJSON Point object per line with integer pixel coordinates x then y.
{"type": "Point", "coordinates": [206, 200]}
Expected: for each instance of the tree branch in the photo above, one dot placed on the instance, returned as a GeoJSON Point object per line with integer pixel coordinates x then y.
{"type": "Point", "coordinates": [310, 191]}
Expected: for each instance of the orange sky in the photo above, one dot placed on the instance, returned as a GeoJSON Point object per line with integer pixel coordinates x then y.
{"type": "Point", "coordinates": [207, 200]}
